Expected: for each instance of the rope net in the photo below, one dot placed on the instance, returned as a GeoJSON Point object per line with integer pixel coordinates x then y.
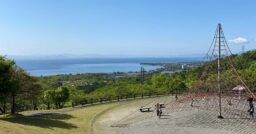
{"type": "Point", "coordinates": [204, 93]}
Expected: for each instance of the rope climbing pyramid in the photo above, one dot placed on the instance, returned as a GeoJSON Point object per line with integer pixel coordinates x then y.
{"type": "Point", "coordinates": [220, 87]}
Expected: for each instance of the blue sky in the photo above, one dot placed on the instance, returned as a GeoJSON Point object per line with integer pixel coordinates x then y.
{"type": "Point", "coordinates": [150, 28]}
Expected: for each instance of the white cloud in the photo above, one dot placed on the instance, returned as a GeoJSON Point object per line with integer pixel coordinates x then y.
{"type": "Point", "coordinates": [239, 40]}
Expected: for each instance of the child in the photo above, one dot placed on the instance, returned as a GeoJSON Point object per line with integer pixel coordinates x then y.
{"type": "Point", "coordinates": [251, 107]}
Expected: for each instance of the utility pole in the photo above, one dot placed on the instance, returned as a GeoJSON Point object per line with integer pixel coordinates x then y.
{"type": "Point", "coordinates": [142, 74]}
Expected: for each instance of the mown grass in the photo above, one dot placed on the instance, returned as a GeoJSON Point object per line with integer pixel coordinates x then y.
{"type": "Point", "coordinates": [60, 122]}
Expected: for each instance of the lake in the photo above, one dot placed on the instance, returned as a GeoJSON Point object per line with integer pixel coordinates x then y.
{"type": "Point", "coordinates": [46, 67]}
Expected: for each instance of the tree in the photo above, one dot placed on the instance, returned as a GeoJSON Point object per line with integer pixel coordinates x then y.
{"type": "Point", "coordinates": [176, 85]}
{"type": "Point", "coordinates": [76, 96]}
{"type": "Point", "coordinates": [16, 86]}
{"type": "Point", "coordinates": [5, 83]}
{"type": "Point", "coordinates": [160, 80]}
{"type": "Point", "coordinates": [25, 90]}
{"type": "Point", "coordinates": [48, 97]}
{"type": "Point", "coordinates": [60, 96]}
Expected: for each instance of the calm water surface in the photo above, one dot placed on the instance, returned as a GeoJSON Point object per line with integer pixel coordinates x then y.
{"type": "Point", "coordinates": [47, 67]}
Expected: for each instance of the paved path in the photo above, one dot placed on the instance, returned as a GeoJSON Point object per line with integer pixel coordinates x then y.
{"type": "Point", "coordinates": [179, 118]}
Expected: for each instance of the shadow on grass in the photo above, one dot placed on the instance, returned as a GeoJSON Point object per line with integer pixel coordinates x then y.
{"type": "Point", "coordinates": [43, 122]}
{"type": "Point", "coordinates": [54, 116]}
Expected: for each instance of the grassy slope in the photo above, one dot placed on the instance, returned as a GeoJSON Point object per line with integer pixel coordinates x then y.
{"type": "Point", "coordinates": [64, 122]}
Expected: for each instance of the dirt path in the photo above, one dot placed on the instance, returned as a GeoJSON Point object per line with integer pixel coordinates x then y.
{"type": "Point", "coordinates": [92, 130]}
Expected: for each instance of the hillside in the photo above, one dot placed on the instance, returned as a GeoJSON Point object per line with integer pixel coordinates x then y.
{"type": "Point", "coordinates": [90, 86]}
{"type": "Point", "coordinates": [42, 92]}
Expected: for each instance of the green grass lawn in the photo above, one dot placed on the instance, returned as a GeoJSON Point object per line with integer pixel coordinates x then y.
{"type": "Point", "coordinates": [61, 122]}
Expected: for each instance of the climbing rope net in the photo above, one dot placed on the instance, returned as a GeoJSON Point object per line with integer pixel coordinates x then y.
{"type": "Point", "coordinates": [232, 98]}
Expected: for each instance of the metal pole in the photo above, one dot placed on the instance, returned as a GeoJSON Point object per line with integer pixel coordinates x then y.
{"type": "Point", "coordinates": [219, 56]}
{"type": "Point", "coordinates": [142, 71]}
{"type": "Point", "coordinates": [141, 75]}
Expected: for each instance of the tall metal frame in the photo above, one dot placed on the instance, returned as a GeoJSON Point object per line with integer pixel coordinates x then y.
{"type": "Point", "coordinates": [219, 58]}
{"type": "Point", "coordinates": [218, 50]}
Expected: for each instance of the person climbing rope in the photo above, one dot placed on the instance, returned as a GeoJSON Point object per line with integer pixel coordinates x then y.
{"type": "Point", "coordinates": [251, 107]}
{"type": "Point", "coordinates": [192, 102]}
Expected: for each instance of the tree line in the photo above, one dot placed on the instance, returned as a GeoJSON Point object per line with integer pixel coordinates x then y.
{"type": "Point", "coordinates": [20, 91]}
